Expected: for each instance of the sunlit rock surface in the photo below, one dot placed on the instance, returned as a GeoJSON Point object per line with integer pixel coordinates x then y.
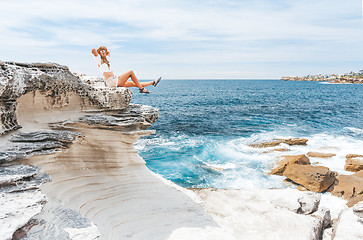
{"type": "Point", "coordinates": [68, 170]}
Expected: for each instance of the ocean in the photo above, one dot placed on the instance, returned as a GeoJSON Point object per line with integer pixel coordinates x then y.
{"type": "Point", "coordinates": [205, 128]}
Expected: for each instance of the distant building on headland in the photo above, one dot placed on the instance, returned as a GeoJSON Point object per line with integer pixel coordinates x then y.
{"type": "Point", "coordinates": [351, 77]}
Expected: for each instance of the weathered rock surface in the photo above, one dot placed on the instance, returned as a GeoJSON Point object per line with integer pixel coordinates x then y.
{"type": "Point", "coordinates": [56, 83]}
{"type": "Point", "coordinates": [349, 186]}
{"type": "Point", "coordinates": [320, 154]}
{"type": "Point", "coordinates": [290, 141]}
{"type": "Point", "coordinates": [34, 96]}
{"type": "Point", "coordinates": [272, 214]}
{"type": "Point", "coordinates": [27, 144]}
{"type": "Point", "coordinates": [354, 162]}
{"type": "Point", "coordinates": [20, 196]}
{"type": "Point", "coordinates": [314, 178]}
{"type": "Point", "coordinates": [56, 221]}
{"type": "Point", "coordinates": [289, 159]}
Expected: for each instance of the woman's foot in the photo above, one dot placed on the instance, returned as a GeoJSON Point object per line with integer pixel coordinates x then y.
{"type": "Point", "coordinates": [143, 90]}
{"type": "Point", "coordinates": [155, 82]}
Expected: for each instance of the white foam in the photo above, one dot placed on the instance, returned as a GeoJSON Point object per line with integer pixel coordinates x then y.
{"type": "Point", "coordinates": [355, 130]}
{"type": "Point", "coordinates": [235, 164]}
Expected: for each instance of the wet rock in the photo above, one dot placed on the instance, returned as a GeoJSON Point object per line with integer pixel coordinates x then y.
{"type": "Point", "coordinates": [354, 162]}
{"type": "Point", "coordinates": [349, 186]}
{"type": "Point", "coordinates": [321, 155]}
{"type": "Point", "coordinates": [289, 159]}
{"type": "Point", "coordinates": [314, 178]}
{"type": "Point", "coordinates": [290, 141]}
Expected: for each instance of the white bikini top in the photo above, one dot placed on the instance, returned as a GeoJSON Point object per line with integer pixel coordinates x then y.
{"type": "Point", "coordinates": [103, 67]}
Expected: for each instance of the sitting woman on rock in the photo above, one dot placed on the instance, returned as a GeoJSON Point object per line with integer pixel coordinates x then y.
{"type": "Point", "coordinates": [102, 57]}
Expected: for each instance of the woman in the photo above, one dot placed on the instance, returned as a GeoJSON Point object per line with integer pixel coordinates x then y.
{"type": "Point", "coordinates": [102, 57]}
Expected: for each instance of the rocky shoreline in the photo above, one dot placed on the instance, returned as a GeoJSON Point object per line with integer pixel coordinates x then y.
{"type": "Point", "coordinates": [356, 78]}
{"type": "Point", "coordinates": [68, 170]}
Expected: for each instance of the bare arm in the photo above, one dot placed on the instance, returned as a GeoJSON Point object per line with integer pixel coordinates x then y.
{"type": "Point", "coordinates": [94, 52]}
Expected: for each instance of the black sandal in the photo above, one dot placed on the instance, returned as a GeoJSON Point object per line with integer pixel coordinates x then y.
{"type": "Point", "coordinates": [143, 90]}
{"type": "Point", "coordinates": [155, 82]}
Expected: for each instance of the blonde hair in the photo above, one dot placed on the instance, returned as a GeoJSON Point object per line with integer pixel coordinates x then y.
{"type": "Point", "coordinates": [104, 59]}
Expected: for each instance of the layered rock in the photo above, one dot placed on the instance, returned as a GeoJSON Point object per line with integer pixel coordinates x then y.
{"type": "Point", "coordinates": [354, 162]}
{"type": "Point", "coordinates": [21, 198]}
{"type": "Point", "coordinates": [56, 83]}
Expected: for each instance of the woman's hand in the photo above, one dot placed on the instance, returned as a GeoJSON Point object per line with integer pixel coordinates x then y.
{"type": "Point", "coordinates": [94, 51]}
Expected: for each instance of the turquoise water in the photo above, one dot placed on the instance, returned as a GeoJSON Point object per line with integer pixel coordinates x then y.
{"type": "Point", "coordinates": [205, 128]}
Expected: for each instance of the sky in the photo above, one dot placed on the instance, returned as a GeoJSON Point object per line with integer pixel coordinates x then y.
{"type": "Point", "coordinates": [188, 39]}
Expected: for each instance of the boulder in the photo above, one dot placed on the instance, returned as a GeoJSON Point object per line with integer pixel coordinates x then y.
{"type": "Point", "coordinates": [290, 141]}
{"type": "Point", "coordinates": [289, 159]}
{"type": "Point", "coordinates": [313, 178]}
{"type": "Point", "coordinates": [320, 155]}
{"type": "Point", "coordinates": [349, 186]}
{"type": "Point", "coordinates": [354, 162]}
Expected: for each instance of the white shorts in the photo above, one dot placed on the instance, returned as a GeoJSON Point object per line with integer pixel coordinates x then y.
{"type": "Point", "coordinates": [112, 81]}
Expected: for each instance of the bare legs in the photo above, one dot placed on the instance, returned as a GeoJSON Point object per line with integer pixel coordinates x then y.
{"type": "Point", "coordinates": [122, 81]}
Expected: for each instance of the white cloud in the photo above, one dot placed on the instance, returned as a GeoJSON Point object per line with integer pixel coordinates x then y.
{"type": "Point", "coordinates": [210, 35]}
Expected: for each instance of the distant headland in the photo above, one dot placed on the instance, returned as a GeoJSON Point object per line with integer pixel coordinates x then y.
{"type": "Point", "coordinates": [351, 77]}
